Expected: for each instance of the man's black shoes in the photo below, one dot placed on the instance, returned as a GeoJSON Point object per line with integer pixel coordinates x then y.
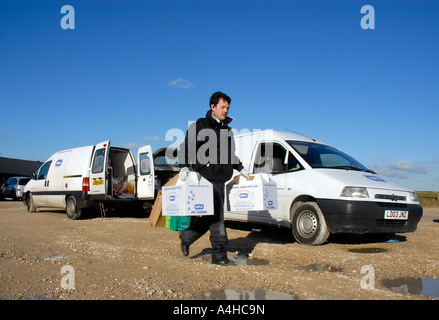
{"type": "Point", "coordinates": [184, 249]}
{"type": "Point", "coordinates": [223, 262]}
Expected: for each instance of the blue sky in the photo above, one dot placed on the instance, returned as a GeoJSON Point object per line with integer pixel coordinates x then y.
{"type": "Point", "coordinates": [131, 71]}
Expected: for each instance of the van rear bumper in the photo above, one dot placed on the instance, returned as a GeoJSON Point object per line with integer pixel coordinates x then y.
{"type": "Point", "coordinates": [367, 217]}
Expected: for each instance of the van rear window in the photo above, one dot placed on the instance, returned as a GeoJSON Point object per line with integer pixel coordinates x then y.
{"type": "Point", "coordinates": [98, 161]}
{"type": "Point", "coordinates": [23, 181]}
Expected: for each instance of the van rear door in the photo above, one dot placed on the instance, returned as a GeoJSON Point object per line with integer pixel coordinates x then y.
{"type": "Point", "coordinates": [98, 181]}
{"type": "Point", "coordinates": [145, 173]}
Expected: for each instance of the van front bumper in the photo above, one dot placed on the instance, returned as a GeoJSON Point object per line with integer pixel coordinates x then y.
{"type": "Point", "coordinates": [367, 217]}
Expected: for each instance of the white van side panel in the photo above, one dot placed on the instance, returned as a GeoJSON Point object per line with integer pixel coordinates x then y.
{"type": "Point", "coordinates": [55, 178]}
{"type": "Point", "coordinates": [76, 169]}
{"type": "Point", "coordinates": [245, 148]}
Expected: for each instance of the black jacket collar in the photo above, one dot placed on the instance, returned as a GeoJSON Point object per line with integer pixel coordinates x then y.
{"type": "Point", "coordinates": [221, 124]}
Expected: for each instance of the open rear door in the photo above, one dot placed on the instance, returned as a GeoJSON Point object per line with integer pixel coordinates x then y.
{"type": "Point", "coordinates": [145, 173]}
{"type": "Point", "coordinates": [98, 180]}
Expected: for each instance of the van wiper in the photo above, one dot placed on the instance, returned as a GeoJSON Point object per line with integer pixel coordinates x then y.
{"type": "Point", "coordinates": [347, 168]}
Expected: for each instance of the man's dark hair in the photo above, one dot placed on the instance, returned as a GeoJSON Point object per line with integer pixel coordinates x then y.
{"type": "Point", "coordinates": [215, 98]}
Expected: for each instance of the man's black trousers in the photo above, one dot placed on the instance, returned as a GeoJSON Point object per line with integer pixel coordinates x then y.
{"type": "Point", "coordinates": [200, 225]}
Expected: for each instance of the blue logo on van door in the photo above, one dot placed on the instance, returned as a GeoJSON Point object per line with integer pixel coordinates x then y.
{"type": "Point", "coordinates": [199, 206]}
{"type": "Point", "coordinates": [58, 163]}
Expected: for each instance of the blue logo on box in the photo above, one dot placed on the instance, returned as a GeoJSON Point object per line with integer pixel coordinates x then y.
{"type": "Point", "coordinates": [243, 195]}
{"type": "Point", "coordinates": [199, 206]}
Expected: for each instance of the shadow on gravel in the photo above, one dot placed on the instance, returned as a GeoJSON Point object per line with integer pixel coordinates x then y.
{"type": "Point", "coordinates": [90, 214]}
{"type": "Point", "coordinates": [271, 234]}
{"type": "Point", "coordinates": [258, 234]}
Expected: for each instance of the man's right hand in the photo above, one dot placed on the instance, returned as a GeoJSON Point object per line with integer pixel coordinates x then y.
{"type": "Point", "coordinates": [184, 173]}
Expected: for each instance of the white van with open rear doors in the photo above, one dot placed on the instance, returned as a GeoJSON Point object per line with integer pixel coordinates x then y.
{"type": "Point", "coordinates": [97, 176]}
{"type": "Point", "coordinates": [322, 190]}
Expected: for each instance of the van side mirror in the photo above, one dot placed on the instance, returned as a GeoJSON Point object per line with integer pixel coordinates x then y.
{"type": "Point", "coordinates": [34, 176]}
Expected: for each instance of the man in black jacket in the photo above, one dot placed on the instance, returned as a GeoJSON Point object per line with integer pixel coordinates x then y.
{"type": "Point", "coordinates": [210, 149]}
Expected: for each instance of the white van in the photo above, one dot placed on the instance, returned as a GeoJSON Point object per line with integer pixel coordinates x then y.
{"type": "Point", "coordinates": [92, 176]}
{"type": "Point", "coordinates": [322, 190]}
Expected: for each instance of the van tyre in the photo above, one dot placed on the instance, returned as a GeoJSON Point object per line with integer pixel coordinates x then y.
{"type": "Point", "coordinates": [72, 211]}
{"type": "Point", "coordinates": [30, 203]}
{"type": "Point", "coordinates": [309, 225]}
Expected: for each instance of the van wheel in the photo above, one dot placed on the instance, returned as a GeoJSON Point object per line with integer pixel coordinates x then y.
{"type": "Point", "coordinates": [30, 203]}
{"type": "Point", "coordinates": [72, 211]}
{"type": "Point", "coordinates": [308, 225]}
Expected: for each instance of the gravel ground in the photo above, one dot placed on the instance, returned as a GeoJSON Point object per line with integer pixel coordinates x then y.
{"type": "Point", "coordinates": [44, 255]}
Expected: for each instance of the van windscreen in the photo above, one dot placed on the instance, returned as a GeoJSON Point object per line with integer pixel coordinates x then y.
{"type": "Point", "coordinates": [323, 156]}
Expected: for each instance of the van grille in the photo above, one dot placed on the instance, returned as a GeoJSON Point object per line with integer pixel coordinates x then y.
{"type": "Point", "coordinates": [390, 197]}
{"type": "Point", "coordinates": [391, 205]}
{"type": "Point", "coordinates": [390, 223]}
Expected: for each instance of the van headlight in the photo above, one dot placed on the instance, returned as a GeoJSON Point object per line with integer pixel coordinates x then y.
{"type": "Point", "coordinates": [414, 197]}
{"type": "Point", "coordinates": [355, 192]}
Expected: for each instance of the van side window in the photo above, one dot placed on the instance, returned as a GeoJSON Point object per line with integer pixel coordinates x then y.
{"type": "Point", "coordinates": [270, 158]}
{"type": "Point", "coordinates": [145, 163]}
{"type": "Point", "coordinates": [98, 161]}
{"type": "Point", "coordinates": [42, 174]}
{"type": "Point", "coordinates": [293, 163]}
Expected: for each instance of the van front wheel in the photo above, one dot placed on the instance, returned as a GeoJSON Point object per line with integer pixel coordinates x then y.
{"type": "Point", "coordinates": [308, 224]}
{"type": "Point", "coordinates": [72, 211]}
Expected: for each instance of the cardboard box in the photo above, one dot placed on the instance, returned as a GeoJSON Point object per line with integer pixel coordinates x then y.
{"type": "Point", "coordinates": [156, 218]}
{"type": "Point", "coordinates": [193, 197]}
{"type": "Point", "coordinates": [259, 193]}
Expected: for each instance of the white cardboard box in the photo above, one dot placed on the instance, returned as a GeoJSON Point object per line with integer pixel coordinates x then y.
{"type": "Point", "coordinates": [257, 194]}
{"type": "Point", "coordinates": [193, 197]}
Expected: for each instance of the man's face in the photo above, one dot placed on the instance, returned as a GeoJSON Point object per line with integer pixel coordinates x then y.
{"type": "Point", "coordinates": [221, 110]}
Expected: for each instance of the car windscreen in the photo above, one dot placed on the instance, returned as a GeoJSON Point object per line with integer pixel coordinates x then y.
{"type": "Point", "coordinates": [166, 157]}
{"type": "Point", "coordinates": [323, 156]}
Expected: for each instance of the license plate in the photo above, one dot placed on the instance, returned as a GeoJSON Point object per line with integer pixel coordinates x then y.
{"type": "Point", "coordinates": [98, 182]}
{"type": "Point", "coordinates": [396, 214]}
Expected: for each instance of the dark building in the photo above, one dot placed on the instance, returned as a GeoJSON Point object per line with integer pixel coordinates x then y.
{"type": "Point", "coordinates": [17, 167]}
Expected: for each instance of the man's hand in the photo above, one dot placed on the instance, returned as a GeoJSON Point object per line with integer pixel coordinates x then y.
{"type": "Point", "coordinates": [184, 173]}
{"type": "Point", "coordinates": [245, 174]}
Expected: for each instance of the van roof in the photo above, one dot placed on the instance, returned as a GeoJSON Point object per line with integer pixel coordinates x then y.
{"type": "Point", "coordinates": [283, 135]}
